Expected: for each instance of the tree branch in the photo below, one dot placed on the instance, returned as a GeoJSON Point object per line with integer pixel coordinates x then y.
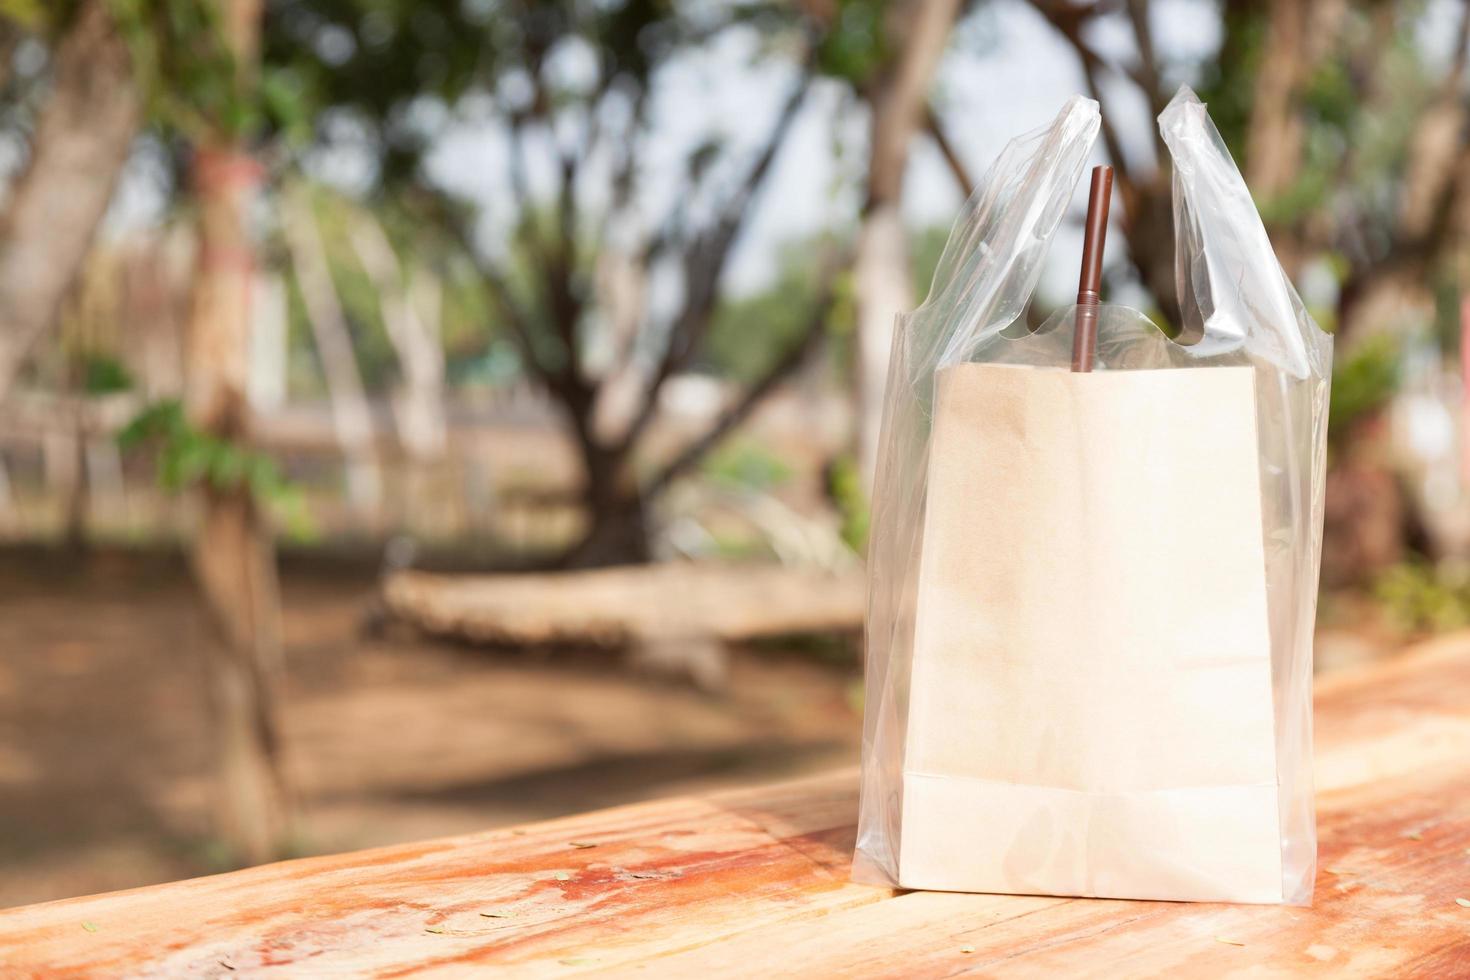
{"type": "Point", "coordinates": [502, 297]}
{"type": "Point", "coordinates": [1462, 51]}
{"type": "Point", "coordinates": [78, 148]}
{"type": "Point", "coordinates": [783, 367]}
{"type": "Point", "coordinates": [1148, 76]}
{"type": "Point", "coordinates": [1146, 214]}
{"type": "Point", "coordinates": [1068, 21]}
{"type": "Point", "coordinates": [1148, 65]}
{"type": "Point", "coordinates": [704, 264]}
{"type": "Point", "coordinates": [935, 128]}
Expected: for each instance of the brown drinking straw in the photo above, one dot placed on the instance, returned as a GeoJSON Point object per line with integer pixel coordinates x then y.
{"type": "Point", "coordinates": [1084, 338]}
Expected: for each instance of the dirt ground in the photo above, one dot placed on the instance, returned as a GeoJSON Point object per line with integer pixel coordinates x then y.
{"type": "Point", "coordinates": [104, 763]}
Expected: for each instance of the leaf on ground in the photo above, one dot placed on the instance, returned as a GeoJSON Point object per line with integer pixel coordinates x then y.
{"type": "Point", "coordinates": [1338, 871]}
{"type": "Point", "coordinates": [580, 844]}
{"type": "Point", "coordinates": [1228, 942]}
{"type": "Point", "coordinates": [436, 930]}
{"type": "Point", "coordinates": [89, 926]}
{"type": "Point", "coordinates": [563, 876]}
{"type": "Point", "coordinates": [1464, 903]}
{"type": "Point", "coordinates": [575, 961]}
{"type": "Point", "coordinates": [1415, 836]}
{"type": "Point", "coordinates": [967, 949]}
{"type": "Point", "coordinates": [498, 915]}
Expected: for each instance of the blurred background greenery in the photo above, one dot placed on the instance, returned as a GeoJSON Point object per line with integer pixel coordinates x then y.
{"type": "Point", "coordinates": [298, 294]}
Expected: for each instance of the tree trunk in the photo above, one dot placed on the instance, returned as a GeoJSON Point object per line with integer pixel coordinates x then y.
{"type": "Point", "coordinates": [618, 531]}
{"type": "Point", "coordinates": [1273, 145]}
{"type": "Point", "coordinates": [351, 415]}
{"type": "Point", "coordinates": [617, 534]}
{"type": "Point", "coordinates": [80, 144]}
{"type": "Point", "coordinates": [881, 273]}
{"type": "Point", "coordinates": [234, 560]}
{"type": "Point", "coordinates": [1299, 34]}
{"type": "Point", "coordinates": [1395, 296]}
{"type": "Point", "coordinates": [419, 404]}
{"type": "Point", "coordinates": [410, 305]}
{"type": "Point", "coordinates": [898, 99]}
{"type": "Point", "coordinates": [79, 499]}
{"type": "Point", "coordinates": [233, 553]}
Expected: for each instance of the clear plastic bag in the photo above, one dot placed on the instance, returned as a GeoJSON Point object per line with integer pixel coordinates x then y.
{"type": "Point", "coordinates": [1242, 312]}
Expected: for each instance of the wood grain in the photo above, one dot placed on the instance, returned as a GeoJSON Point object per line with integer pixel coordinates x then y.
{"type": "Point", "coordinates": [754, 883]}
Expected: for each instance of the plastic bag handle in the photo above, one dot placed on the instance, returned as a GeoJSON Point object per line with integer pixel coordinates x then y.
{"type": "Point", "coordinates": [1232, 289]}
{"type": "Point", "coordinates": [992, 260]}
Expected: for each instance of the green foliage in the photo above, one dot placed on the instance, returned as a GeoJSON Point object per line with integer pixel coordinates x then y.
{"type": "Point", "coordinates": [747, 331]}
{"type": "Point", "coordinates": [1362, 383]}
{"type": "Point", "coordinates": [28, 14]}
{"type": "Point", "coordinates": [1228, 82]}
{"type": "Point", "coordinates": [1358, 109]}
{"type": "Point", "coordinates": [188, 457]}
{"type": "Point", "coordinates": [845, 484]}
{"type": "Point", "coordinates": [286, 103]}
{"type": "Point", "coordinates": [386, 60]}
{"type": "Point", "coordinates": [855, 47]}
{"type": "Point", "coordinates": [1420, 596]}
{"type": "Point", "coordinates": [398, 75]}
{"type": "Point", "coordinates": [925, 248]}
{"type": "Point", "coordinates": [103, 374]}
{"type": "Point", "coordinates": [467, 324]}
{"type": "Point", "coordinates": [192, 80]}
{"type": "Point", "coordinates": [182, 62]}
{"type": "Point", "coordinates": [746, 465]}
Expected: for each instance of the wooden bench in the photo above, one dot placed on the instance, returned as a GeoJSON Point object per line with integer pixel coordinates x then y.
{"type": "Point", "coordinates": [755, 883]}
{"type": "Point", "coordinates": [671, 618]}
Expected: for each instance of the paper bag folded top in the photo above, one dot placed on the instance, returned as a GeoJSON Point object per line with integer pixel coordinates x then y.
{"type": "Point", "coordinates": [1091, 703]}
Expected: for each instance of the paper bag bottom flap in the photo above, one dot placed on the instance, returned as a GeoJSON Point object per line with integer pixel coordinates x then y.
{"type": "Point", "coordinates": [1209, 844]}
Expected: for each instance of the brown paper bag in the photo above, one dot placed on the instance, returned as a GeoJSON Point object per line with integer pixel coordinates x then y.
{"type": "Point", "coordinates": [1091, 706]}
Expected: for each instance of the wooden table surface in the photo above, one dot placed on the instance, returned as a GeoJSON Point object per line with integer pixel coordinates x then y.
{"type": "Point", "coordinates": [755, 883]}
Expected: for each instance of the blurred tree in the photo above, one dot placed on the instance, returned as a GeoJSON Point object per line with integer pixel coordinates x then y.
{"type": "Point", "coordinates": [1356, 152]}
{"type": "Point", "coordinates": [568, 87]}
{"type": "Point", "coordinates": [746, 327]}
{"type": "Point", "coordinates": [88, 114]}
{"type": "Point", "coordinates": [234, 555]}
{"type": "Point", "coordinates": [184, 64]}
{"type": "Point", "coordinates": [889, 53]}
{"type": "Point", "coordinates": [351, 414]}
{"type": "Point", "coordinates": [196, 63]}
